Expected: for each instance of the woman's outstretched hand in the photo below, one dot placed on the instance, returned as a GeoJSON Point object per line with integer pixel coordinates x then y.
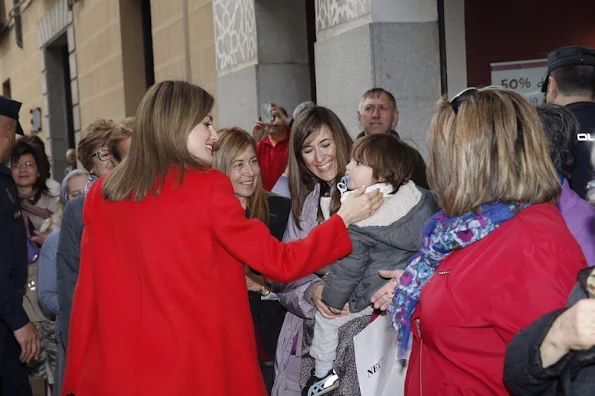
{"type": "Point", "coordinates": [360, 206]}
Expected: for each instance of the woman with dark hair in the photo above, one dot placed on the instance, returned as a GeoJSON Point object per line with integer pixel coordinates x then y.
{"type": "Point", "coordinates": [561, 128]}
{"type": "Point", "coordinates": [164, 309]}
{"type": "Point", "coordinates": [319, 151]}
{"type": "Point", "coordinates": [35, 140]}
{"type": "Point", "coordinates": [29, 171]}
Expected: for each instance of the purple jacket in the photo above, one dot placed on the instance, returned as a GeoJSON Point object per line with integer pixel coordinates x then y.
{"type": "Point", "coordinates": [579, 216]}
{"type": "Point", "coordinates": [296, 297]}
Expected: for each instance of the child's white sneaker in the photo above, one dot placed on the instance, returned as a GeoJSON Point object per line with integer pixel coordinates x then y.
{"type": "Point", "coordinates": [321, 386]}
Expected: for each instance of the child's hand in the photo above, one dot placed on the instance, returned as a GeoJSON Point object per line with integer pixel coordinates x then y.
{"type": "Point", "coordinates": [340, 312]}
{"type": "Point", "coordinates": [382, 298]}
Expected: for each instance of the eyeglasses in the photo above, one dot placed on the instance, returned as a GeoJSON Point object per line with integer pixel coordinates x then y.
{"type": "Point", "coordinates": [25, 165]}
{"type": "Point", "coordinates": [103, 155]}
{"type": "Point", "coordinates": [459, 98]}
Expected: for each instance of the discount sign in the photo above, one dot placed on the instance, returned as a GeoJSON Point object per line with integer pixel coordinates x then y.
{"type": "Point", "coordinates": [525, 77]}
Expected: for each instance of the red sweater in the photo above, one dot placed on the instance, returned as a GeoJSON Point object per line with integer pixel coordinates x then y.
{"type": "Point", "coordinates": [161, 306]}
{"type": "Point", "coordinates": [272, 160]}
{"type": "Point", "coordinates": [482, 295]}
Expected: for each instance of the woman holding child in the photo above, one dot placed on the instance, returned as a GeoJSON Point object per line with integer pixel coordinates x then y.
{"type": "Point", "coordinates": [384, 241]}
{"type": "Point", "coordinates": [320, 155]}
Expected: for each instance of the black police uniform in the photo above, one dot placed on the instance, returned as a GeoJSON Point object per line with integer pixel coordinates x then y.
{"type": "Point", "coordinates": [583, 111]}
{"type": "Point", "coordinates": [14, 380]}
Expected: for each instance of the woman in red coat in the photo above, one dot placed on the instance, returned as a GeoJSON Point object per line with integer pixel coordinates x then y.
{"type": "Point", "coordinates": [498, 255]}
{"type": "Point", "coordinates": [160, 306]}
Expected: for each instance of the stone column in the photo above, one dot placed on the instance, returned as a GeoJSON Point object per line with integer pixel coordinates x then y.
{"type": "Point", "coordinates": [392, 44]}
{"type": "Point", "coordinates": [262, 56]}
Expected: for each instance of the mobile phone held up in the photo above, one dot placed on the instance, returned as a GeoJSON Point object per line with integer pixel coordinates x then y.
{"type": "Point", "coordinates": [265, 113]}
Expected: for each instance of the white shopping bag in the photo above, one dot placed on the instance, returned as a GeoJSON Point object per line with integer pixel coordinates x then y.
{"type": "Point", "coordinates": [378, 372]}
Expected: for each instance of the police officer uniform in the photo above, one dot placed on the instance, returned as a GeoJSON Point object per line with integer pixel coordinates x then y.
{"type": "Point", "coordinates": [583, 111]}
{"type": "Point", "coordinates": [14, 380]}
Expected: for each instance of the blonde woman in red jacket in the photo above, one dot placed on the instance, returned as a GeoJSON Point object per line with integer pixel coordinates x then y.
{"type": "Point", "coordinates": [160, 306]}
{"type": "Point", "coordinates": [495, 258]}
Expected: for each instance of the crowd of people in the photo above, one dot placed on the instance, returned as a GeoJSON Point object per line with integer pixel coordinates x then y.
{"type": "Point", "coordinates": [181, 259]}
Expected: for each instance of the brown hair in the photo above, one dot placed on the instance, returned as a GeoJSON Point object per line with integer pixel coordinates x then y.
{"type": "Point", "coordinates": [375, 93]}
{"type": "Point", "coordinates": [164, 119]}
{"type": "Point", "coordinates": [493, 150]}
{"type": "Point", "coordinates": [121, 132]}
{"type": "Point", "coordinates": [301, 180]}
{"type": "Point", "coordinates": [232, 143]}
{"type": "Point", "coordinates": [391, 160]}
{"type": "Point", "coordinates": [97, 135]}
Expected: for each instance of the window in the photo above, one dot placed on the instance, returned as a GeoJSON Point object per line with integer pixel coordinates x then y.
{"type": "Point", "coordinates": [3, 14]}
{"type": "Point", "coordinates": [6, 90]}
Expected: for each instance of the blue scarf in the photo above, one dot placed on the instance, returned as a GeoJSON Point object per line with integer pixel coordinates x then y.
{"type": "Point", "coordinates": [441, 236]}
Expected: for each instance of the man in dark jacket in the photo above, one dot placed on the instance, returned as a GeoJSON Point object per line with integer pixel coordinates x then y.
{"type": "Point", "coordinates": [571, 82]}
{"type": "Point", "coordinates": [556, 354]}
{"type": "Point", "coordinates": [378, 113]}
{"type": "Point", "coordinates": [19, 339]}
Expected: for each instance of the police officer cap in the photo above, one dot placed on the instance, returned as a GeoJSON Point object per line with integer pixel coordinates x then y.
{"type": "Point", "coordinates": [568, 56]}
{"type": "Point", "coordinates": [10, 108]}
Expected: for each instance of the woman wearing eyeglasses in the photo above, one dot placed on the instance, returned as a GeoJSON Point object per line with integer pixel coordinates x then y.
{"type": "Point", "coordinates": [495, 258]}
{"type": "Point", "coordinates": [30, 175]}
{"type": "Point", "coordinates": [29, 171]}
{"type": "Point", "coordinates": [95, 154]}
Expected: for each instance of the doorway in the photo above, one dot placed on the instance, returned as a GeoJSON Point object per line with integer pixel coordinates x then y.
{"type": "Point", "coordinates": [61, 126]}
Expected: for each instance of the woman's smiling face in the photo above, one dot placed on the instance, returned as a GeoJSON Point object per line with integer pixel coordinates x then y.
{"type": "Point", "coordinates": [319, 154]}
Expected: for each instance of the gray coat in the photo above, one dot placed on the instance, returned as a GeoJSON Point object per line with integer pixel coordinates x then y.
{"type": "Point", "coordinates": [68, 260]}
{"type": "Point", "coordinates": [292, 362]}
{"type": "Point", "coordinates": [47, 290]}
{"type": "Point", "coordinates": [385, 241]}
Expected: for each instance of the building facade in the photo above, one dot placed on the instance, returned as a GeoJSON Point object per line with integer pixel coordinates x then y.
{"type": "Point", "coordinates": [72, 61]}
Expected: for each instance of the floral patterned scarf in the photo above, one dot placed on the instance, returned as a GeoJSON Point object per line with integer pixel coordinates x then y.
{"type": "Point", "coordinates": [441, 236]}
{"type": "Point", "coordinates": [92, 179]}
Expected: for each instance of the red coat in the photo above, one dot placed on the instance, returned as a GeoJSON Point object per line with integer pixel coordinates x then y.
{"type": "Point", "coordinates": [161, 307]}
{"type": "Point", "coordinates": [482, 295]}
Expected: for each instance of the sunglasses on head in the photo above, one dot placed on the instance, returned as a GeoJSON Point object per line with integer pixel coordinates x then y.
{"type": "Point", "coordinates": [459, 98]}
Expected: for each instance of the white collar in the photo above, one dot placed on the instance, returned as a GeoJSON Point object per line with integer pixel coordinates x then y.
{"type": "Point", "coordinates": [385, 188]}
